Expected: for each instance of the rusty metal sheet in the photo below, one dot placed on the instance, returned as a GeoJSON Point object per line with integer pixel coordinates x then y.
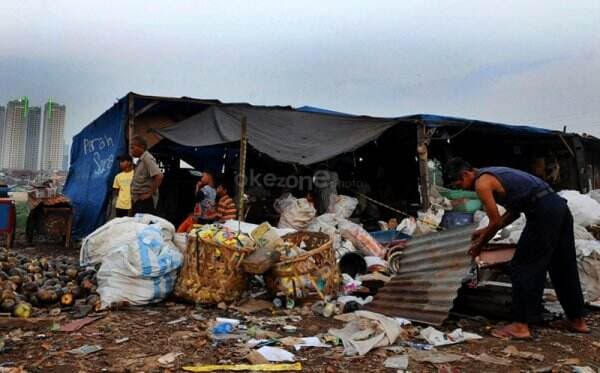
{"type": "Point", "coordinates": [431, 270]}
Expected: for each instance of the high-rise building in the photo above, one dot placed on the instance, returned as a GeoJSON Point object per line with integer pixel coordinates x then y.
{"type": "Point", "coordinates": [15, 131]}
{"type": "Point", "coordinates": [53, 139]}
{"type": "Point", "coordinates": [2, 115]}
{"type": "Point", "coordinates": [66, 155]}
{"type": "Point", "coordinates": [33, 139]}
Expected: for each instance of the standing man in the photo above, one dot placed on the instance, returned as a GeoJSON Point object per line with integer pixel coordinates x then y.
{"type": "Point", "coordinates": [146, 178]}
{"type": "Point", "coordinates": [546, 244]}
{"type": "Point", "coordinates": [122, 186]}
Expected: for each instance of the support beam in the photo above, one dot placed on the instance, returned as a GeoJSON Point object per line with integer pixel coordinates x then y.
{"type": "Point", "coordinates": [242, 175]}
{"type": "Point", "coordinates": [422, 141]}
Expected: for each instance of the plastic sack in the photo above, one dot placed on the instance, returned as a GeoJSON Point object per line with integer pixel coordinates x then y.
{"type": "Point", "coordinates": [407, 226]}
{"type": "Point", "coordinates": [296, 213]}
{"type": "Point", "coordinates": [360, 238]}
{"type": "Point", "coordinates": [585, 210]}
{"type": "Point", "coordinates": [119, 232]}
{"type": "Point", "coordinates": [140, 272]}
{"type": "Point", "coordinates": [342, 206]}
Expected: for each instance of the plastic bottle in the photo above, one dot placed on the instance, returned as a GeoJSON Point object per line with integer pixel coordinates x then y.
{"type": "Point", "coordinates": [224, 328]}
{"type": "Point", "coordinates": [277, 302]}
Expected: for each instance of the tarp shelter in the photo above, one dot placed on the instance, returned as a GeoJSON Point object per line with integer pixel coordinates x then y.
{"type": "Point", "coordinates": [197, 128]}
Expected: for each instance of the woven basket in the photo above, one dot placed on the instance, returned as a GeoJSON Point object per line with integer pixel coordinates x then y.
{"type": "Point", "coordinates": [314, 273]}
{"type": "Point", "coordinates": [211, 273]}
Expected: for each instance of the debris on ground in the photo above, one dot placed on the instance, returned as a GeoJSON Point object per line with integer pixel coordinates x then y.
{"type": "Point", "coordinates": [244, 367]}
{"type": "Point", "coordinates": [85, 350]}
{"type": "Point", "coordinates": [489, 359]}
{"type": "Point", "coordinates": [513, 351]}
{"type": "Point", "coordinates": [434, 357]}
{"type": "Point", "coordinates": [437, 338]}
{"type": "Point", "coordinates": [396, 362]}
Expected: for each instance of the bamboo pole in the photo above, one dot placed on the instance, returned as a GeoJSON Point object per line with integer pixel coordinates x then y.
{"type": "Point", "coordinates": [242, 175]}
{"type": "Point", "coordinates": [423, 157]}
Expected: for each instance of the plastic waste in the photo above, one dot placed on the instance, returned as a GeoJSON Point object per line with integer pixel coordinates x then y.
{"type": "Point", "coordinates": [224, 328]}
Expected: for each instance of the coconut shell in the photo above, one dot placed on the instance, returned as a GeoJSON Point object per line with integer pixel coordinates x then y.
{"type": "Point", "coordinates": [3, 275]}
{"type": "Point", "coordinates": [33, 299]}
{"type": "Point", "coordinates": [77, 292]}
{"type": "Point", "coordinates": [17, 280]}
{"type": "Point", "coordinates": [30, 287]}
{"type": "Point", "coordinates": [51, 282]}
{"type": "Point", "coordinates": [67, 299]}
{"type": "Point", "coordinates": [85, 274]}
{"type": "Point", "coordinates": [87, 284]}
{"type": "Point", "coordinates": [47, 296]}
{"type": "Point", "coordinates": [31, 268]}
{"type": "Point", "coordinates": [71, 272]}
{"type": "Point", "coordinates": [50, 274]}
{"type": "Point", "coordinates": [8, 294]}
{"type": "Point", "coordinates": [8, 305]}
{"type": "Point", "coordinates": [92, 299]}
{"type": "Point", "coordinates": [22, 310]}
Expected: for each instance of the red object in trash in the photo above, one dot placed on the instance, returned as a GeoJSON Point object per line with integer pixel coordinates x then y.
{"type": "Point", "coordinates": [8, 219]}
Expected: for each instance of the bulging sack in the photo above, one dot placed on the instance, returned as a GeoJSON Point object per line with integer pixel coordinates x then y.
{"type": "Point", "coordinates": [296, 213]}
{"type": "Point", "coordinates": [141, 272]}
{"type": "Point", "coordinates": [120, 232]}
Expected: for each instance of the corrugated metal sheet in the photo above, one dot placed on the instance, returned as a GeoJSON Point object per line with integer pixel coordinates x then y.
{"type": "Point", "coordinates": [432, 270]}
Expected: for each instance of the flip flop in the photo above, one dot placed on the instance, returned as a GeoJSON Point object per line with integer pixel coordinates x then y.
{"type": "Point", "coordinates": [567, 326]}
{"type": "Point", "coordinates": [502, 334]}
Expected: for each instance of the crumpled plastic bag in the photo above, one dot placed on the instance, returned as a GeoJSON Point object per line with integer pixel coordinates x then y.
{"type": "Point", "coordinates": [342, 206]}
{"type": "Point", "coordinates": [360, 238]}
{"type": "Point", "coordinates": [365, 331]}
{"type": "Point", "coordinates": [585, 209]}
{"type": "Point", "coordinates": [407, 226]}
{"type": "Point", "coordinates": [295, 213]}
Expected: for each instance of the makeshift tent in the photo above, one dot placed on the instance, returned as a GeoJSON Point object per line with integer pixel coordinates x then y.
{"type": "Point", "coordinates": [93, 165]}
{"type": "Point", "coordinates": [284, 134]}
{"type": "Point", "coordinates": [201, 131]}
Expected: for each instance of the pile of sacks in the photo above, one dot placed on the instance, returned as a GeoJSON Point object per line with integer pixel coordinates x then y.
{"type": "Point", "coordinates": [137, 257]}
{"type": "Point", "coordinates": [585, 209]}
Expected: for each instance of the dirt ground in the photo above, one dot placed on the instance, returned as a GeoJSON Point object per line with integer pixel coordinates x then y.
{"type": "Point", "coordinates": [133, 339]}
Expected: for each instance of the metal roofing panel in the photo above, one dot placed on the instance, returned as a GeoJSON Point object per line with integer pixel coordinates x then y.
{"type": "Point", "coordinates": [431, 271]}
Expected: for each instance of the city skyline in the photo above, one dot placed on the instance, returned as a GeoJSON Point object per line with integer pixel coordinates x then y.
{"type": "Point", "coordinates": [30, 140]}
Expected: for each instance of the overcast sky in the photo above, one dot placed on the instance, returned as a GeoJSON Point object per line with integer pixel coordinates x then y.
{"type": "Point", "coordinates": [522, 62]}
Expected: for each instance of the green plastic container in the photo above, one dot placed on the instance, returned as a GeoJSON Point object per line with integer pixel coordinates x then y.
{"type": "Point", "coordinates": [470, 205]}
{"type": "Point", "coordinates": [458, 194]}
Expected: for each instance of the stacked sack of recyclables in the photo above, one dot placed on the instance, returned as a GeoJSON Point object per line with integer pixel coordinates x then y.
{"type": "Point", "coordinates": [137, 257]}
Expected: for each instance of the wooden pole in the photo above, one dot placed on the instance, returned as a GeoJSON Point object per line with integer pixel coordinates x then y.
{"type": "Point", "coordinates": [242, 175]}
{"type": "Point", "coordinates": [422, 141]}
{"type": "Point", "coordinates": [130, 121]}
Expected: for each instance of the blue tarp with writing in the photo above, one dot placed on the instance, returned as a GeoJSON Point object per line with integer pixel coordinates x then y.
{"type": "Point", "coordinates": [93, 166]}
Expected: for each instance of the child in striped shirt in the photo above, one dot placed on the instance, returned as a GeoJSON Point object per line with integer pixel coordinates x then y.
{"type": "Point", "coordinates": [226, 209]}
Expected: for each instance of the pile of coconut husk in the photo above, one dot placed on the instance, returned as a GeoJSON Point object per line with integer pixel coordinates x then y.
{"type": "Point", "coordinates": [29, 283]}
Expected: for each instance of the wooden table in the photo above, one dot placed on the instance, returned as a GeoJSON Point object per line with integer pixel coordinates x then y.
{"type": "Point", "coordinates": [51, 217]}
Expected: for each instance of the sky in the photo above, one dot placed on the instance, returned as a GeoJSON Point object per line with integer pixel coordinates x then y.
{"type": "Point", "coordinates": [516, 62]}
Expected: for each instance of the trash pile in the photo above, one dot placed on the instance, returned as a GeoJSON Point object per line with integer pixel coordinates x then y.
{"type": "Point", "coordinates": [30, 284]}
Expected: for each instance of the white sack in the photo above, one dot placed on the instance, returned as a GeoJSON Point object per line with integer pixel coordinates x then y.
{"type": "Point", "coordinates": [295, 213]}
{"type": "Point", "coordinates": [342, 206]}
{"type": "Point", "coordinates": [119, 232]}
{"type": "Point", "coordinates": [585, 210]}
{"type": "Point", "coordinates": [140, 272]}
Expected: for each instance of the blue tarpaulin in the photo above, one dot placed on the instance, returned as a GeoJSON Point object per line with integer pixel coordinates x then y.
{"type": "Point", "coordinates": [93, 167]}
